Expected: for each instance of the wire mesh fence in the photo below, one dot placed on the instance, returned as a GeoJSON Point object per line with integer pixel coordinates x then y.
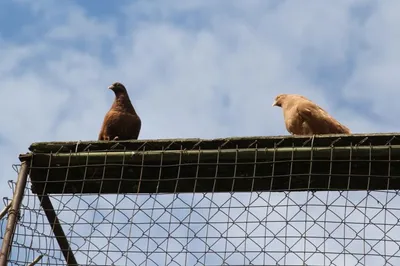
{"type": "Point", "coordinates": [307, 204]}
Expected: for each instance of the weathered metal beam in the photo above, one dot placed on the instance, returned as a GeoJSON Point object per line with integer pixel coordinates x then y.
{"type": "Point", "coordinates": [228, 154]}
{"type": "Point", "coordinates": [221, 170]}
{"type": "Point", "coordinates": [223, 143]}
{"type": "Point", "coordinates": [51, 215]}
{"type": "Point", "coordinates": [13, 214]}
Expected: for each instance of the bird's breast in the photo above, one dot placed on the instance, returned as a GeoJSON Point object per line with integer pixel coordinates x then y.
{"type": "Point", "coordinates": [294, 122]}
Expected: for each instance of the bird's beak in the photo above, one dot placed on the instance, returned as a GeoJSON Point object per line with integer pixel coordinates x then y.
{"type": "Point", "coordinates": [111, 87]}
{"type": "Point", "coordinates": [274, 104]}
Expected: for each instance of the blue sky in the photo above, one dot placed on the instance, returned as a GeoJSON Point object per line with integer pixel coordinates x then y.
{"type": "Point", "coordinates": [194, 68]}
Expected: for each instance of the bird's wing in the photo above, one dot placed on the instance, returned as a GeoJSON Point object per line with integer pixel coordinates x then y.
{"type": "Point", "coordinates": [137, 127]}
{"type": "Point", "coordinates": [105, 125]}
{"type": "Point", "coordinates": [319, 121]}
{"type": "Point", "coordinates": [101, 133]}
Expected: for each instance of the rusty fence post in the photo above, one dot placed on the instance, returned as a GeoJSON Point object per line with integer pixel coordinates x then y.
{"type": "Point", "coordinates": [13, 213]}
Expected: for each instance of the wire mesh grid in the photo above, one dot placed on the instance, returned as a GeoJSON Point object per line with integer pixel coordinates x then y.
{"type": "Point", "coordinates": [158, 221]}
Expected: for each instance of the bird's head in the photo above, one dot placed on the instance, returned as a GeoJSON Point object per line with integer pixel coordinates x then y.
{"type": "Point", "coordinates": [279, 100]}
{"type": "Point", "coordinates": [117, 88]}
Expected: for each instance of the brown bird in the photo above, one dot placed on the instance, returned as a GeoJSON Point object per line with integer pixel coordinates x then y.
{"type": "Point", "coordinates": [121, 121]}
{"type": "Point", "coordinates": [303, 117]}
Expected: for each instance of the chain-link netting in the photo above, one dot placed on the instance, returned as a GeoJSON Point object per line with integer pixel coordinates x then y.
{"type": "Point", "coordinates": [215, 227]}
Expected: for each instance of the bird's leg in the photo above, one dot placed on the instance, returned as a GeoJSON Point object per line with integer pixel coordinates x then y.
{"type": "Point", "coordinates": [312, 141]}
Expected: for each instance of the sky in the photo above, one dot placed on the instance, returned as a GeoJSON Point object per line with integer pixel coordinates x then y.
{"type": "Point", "coordinates": [194, 68]}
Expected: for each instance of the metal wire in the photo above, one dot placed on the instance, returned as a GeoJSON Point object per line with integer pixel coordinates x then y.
{"type": "Point", "coordinates": [214, 222]}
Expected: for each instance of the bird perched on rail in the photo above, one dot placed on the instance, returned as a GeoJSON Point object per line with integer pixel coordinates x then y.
{"type": "Point", "coordinates": [121, 121]}
{"type": "Point", "coordinates": [303, 117]}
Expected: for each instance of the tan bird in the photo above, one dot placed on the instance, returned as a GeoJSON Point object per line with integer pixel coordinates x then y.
{"type": "Point", "coordinates": [121, 121]}
{"type": "Point", "coordinates": [303, 117]}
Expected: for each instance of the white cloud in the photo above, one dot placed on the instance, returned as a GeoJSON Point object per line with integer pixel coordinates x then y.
{"type": "Point", "coordinates": [79, 27]}
{"type": "Point", "coordinates": [375, 78]}
{"type": "Point", "coordinates": [193, 69]}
